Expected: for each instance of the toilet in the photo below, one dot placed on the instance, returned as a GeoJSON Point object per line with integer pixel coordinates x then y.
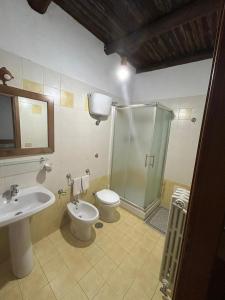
{"type": "Point", "coordinates": [107, 201]}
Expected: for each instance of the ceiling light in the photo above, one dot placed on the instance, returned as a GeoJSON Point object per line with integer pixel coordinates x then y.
{"type": "Point", "coordinates": [123, 72]}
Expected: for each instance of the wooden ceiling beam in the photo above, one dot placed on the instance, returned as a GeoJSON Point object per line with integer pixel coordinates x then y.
{"type": "Point", "coordinates": [177, 61]}
{"type": "Point", "coordinates": [39, 6]}
{"type": "Point", "coordinates": [180, 16]}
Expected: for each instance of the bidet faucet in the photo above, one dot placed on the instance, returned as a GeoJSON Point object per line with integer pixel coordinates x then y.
{"type": "Point", "coordinates": [14, 190]}
{"type": "Point", "coordinates": [75, 200]}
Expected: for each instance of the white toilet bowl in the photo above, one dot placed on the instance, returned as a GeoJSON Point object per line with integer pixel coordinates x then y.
{"type": "Point", "coordinates": [82, 215]}
{"type": "Point", "coordinates": [107, 202]}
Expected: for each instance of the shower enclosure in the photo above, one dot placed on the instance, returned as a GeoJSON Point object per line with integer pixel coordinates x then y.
{"type": "Point", "coordinates": [139, 150]}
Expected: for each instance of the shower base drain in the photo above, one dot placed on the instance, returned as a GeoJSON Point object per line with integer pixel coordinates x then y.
{"type": "Point", "coordinates": [98, 225]}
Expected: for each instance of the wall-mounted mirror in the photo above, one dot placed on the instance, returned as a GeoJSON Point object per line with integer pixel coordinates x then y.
{"type": "Point", "coordinates": [26, 122]}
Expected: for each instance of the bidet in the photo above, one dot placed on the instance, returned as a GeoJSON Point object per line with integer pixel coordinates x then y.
{"type": "Point", "coordinates": [83, 215]}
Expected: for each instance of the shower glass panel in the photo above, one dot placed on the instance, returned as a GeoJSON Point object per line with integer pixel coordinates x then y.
{"type": "Point", "coordinates": [141, 125]}
{"type": "Point", "coordinates": [157, 158]}
{"type": "Point", "coordinates": [139, 150]}
{"type": "Point", "coordinates": [121, 141]}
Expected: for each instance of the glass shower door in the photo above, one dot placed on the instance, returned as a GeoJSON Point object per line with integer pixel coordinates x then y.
{"type": "Point", "coordinates": [141, 127]}
{"type": "Point", "coordinates": [157, 157]}
{"type": "Point", "coordinates": [121, 141]}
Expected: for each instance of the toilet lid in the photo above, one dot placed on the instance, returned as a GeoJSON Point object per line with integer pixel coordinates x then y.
{"type": "Point", "coordinates": [108, 196]}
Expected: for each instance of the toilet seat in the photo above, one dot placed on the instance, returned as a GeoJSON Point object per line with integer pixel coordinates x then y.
{"type": "Point", "coordinates": [108, 197]}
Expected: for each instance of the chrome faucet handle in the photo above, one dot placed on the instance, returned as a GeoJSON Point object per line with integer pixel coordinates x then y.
{"type": "Point", "coordinates": [14, 189]}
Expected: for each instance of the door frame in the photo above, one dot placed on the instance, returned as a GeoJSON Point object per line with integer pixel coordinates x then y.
{"type": "Point", "coordinates": [206, 213]}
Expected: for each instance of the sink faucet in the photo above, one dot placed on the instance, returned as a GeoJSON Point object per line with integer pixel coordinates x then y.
{"type": "Point", "coordinates": [14, 190]}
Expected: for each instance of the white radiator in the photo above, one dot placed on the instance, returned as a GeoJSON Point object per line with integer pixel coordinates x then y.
{"type": "Point", "coordinates": [172, 247]}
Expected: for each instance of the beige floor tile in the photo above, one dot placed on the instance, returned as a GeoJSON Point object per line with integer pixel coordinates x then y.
{"type": "Point", "coordinates": [57, 238]}
{"type": "Point", "coordinates": [70, 257]}
{"type": "Point", "coordinates": [105, 267]}
{"type": "Point", "coordinates": [127, 243]}
{"type": "Point", "coordinates": [63, 284]}
{"type": "Point", "coordinates": [45, 293]}
{"type": "Point", "coordinates": [139, 254]}
{"type": "Point", "coordinates": [147, 281]}
{"type": "Point", "coordinates": [79, 267]}
{"type": "Point", "coordinates": [130, 267]}
{"type": "Point", "coordinates": [147, 242]}
{"type": "Point", "coordinates": [153, 234]}
{"type": "Point", "coordinates": [126, 254]}
{"type": "Point", "coordinates": [68, 250]}
{"type": "Point", "coordinates": [117, 254]}
{"type": "Point", "coordinates": [13, 293]}
{"type": "Point", "coordinates": [157, 294]}
{"type": "Point", "coordinates": [104, 242]}
{"type": "Point", "coordinates": [93, 254]}
{"type": "Point", "coordinates": [152, 264]}
{"type": "Point", "coordinates": [161, 241]}
{"type": "Point", "coordinates": [135, 292]}
{"type": "Point", "coordinates": [76, 293]}
{"type": "Point", "coordinates": [32, 283]}
{"type": "Point", "coordinates": [54, 267]}
{"type": "Point", "coordinates": [91, 283]}
{"type": "Point", "coordinates": [119, 282]}
{"type": "Point", "coordinates": [107, 293]}
{"type": "Point", "coordinates": [44, 250]}
{"type": "Point", "coordinates": [7, 280]}
{"type": "Point", "coordinates": [115, 234]}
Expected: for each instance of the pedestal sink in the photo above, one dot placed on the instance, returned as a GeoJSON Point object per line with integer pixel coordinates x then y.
{"type": "Point", "coordinates": [15, 213]}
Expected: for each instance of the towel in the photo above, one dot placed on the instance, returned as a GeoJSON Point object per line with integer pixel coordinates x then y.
{"type": "Point", "coordinates": [85, 182]}
{"type": "Point", "coordinates": [77, 187]}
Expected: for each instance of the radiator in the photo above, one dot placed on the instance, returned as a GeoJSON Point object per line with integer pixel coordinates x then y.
{"type": "Point", "coordinates": [172, 247]}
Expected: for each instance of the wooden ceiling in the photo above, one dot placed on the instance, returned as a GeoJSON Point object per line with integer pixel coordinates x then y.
{"type": "Point", "coordinates": [152, 34]}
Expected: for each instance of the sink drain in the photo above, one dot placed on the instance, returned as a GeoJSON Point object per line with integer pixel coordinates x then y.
{"type": "Point", "coordinates": [98, 225]}
{"type": "Point", "coordinates": [18, 213]}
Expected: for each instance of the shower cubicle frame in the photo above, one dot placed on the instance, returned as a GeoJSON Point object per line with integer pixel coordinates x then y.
{"type": "Point", "coordinates": [141, 212]}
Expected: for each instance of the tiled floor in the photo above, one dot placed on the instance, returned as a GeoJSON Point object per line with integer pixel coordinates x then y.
{"type": "Point", "coordinates": [121, 262]}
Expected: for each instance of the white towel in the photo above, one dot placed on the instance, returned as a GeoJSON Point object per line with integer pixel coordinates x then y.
{"type": "Point", "coordinates": [85, 182]}
{"type": "Point", "coordinates": [77, 187]}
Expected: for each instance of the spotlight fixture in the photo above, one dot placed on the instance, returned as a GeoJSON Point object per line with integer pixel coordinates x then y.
{"type": "Point", "coordinates": [123, 72]}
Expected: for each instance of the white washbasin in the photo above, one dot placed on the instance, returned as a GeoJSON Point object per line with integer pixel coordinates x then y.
{"type": "Point", "coordinates": [26, 203]}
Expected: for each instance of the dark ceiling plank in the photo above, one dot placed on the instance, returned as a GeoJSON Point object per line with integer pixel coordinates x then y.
{"type": "Point", "coordinates": [40, 6]}
{"type": "Point", "coordinates": [180, 16]}
{"type": "Point", "coordinates": [177, 61]}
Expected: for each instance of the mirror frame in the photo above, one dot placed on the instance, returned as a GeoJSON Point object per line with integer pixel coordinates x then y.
{"type": "Point", "coordinates": [14, 93]}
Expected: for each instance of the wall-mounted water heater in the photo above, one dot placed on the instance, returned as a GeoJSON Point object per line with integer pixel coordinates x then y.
{"type": "Point", "coordinates": [99, 106]}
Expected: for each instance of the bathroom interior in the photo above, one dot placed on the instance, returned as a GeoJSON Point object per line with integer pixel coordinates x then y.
{"type": "Point", "coordinates": [98, 141]}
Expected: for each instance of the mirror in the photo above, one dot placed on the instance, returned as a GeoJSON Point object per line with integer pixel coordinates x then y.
{"type": "Point", "coordinates": [33, 123]}
{"type": "Point", "coordinates": [26, 122]}
{"type": "Point", "coordinates": [7, 135]}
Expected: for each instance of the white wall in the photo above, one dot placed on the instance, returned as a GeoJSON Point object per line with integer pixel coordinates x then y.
{"type": "Point", "coordinates": [180, 81]}
{"type": "Point", "coordinates": [77, 138]}
{"type": "Point", "coordinates": [57, 41]}
{"type": "Point", "coordinates": [184, 137]}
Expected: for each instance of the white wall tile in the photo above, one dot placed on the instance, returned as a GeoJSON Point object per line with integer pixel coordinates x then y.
{"type": "Point", "coordinates": [51, 78]}
{"type": "Point", "coordinates": [183, 141]}
{"type": "Point", "coordinates": [77, 138]}
{"type": "Point", "coordinates": [32, 71]}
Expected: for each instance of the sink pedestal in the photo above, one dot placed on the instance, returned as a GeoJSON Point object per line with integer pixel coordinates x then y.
{"type": "Point", "coordinates": [21, 248]}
